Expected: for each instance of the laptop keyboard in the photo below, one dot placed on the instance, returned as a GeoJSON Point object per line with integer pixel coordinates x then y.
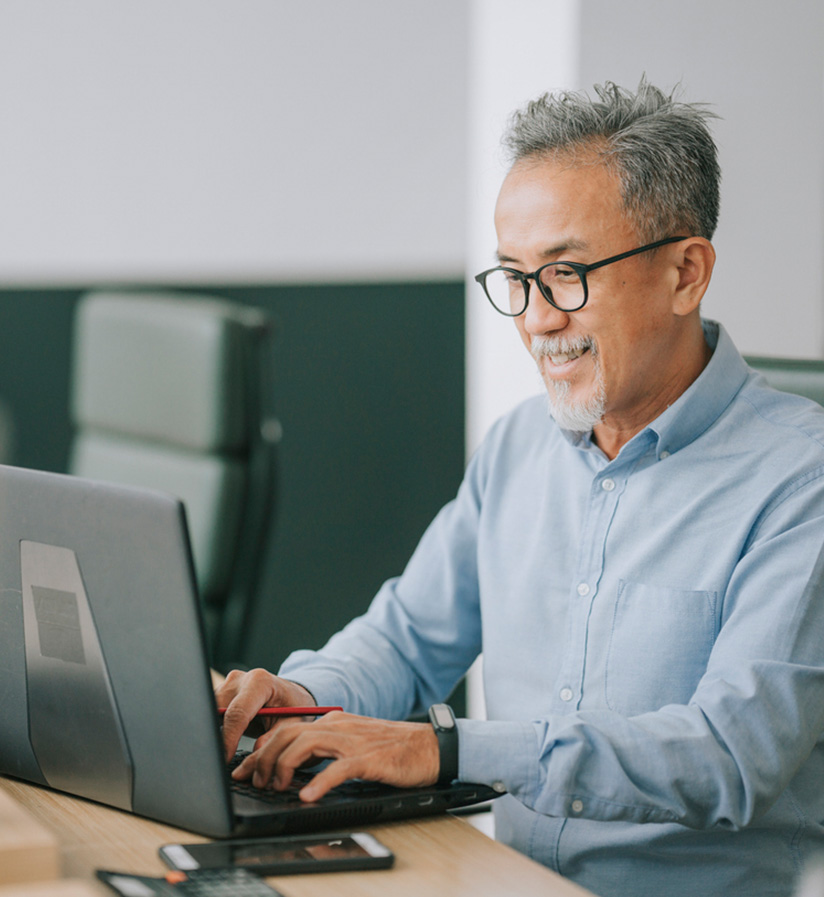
{"type": "Point", "coordinates": [352, 788]}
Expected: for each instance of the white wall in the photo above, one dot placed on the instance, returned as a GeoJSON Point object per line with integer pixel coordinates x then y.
{"type": "Point", "coordinates": [231, 140]}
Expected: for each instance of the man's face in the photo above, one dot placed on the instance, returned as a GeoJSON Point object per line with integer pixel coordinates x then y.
{"type": "Point", "coordinates": [610, 363]}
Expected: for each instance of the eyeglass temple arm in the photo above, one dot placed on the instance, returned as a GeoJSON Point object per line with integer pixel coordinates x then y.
{"type": "Point", "coordinates": [624, 255]}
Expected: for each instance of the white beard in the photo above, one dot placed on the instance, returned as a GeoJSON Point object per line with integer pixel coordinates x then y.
{"type": "Point", "coordinates": [582, 416]}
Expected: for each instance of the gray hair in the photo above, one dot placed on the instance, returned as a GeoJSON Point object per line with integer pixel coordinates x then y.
{"type": "Point", "coordinates": [660, 148]}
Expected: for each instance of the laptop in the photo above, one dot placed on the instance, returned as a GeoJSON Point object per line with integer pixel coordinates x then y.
{"type": "Point", "coordinates": [105, 691]}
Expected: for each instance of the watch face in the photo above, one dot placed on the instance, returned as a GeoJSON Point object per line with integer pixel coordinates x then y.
{"type": "Point", "coordinates": [443, 717]}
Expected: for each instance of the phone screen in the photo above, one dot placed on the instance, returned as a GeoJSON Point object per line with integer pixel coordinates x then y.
{"type": "Point", "coordinates": [293, 854]}
{"type": "Point", "coordinates": [319, 849]}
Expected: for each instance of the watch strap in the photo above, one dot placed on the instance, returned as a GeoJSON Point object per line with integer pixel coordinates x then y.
{"type": "Point", "coordinates": [446, 730]}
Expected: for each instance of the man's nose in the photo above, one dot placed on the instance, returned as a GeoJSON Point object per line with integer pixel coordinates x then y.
{"type": "Point", "coordinates": [541, 316]}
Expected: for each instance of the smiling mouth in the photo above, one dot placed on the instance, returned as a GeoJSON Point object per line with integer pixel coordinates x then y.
{"type": "Point", "coordinates": [559, 352]}
{"type": "Point", "coordinates": [565, 357]}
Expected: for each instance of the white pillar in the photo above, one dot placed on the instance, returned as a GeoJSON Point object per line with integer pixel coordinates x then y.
{"type": "Point", "coordinates": [518, 49]}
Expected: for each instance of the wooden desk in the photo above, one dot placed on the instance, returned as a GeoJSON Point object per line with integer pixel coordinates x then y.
{"type": "Point", "coordinates": [437, 857]}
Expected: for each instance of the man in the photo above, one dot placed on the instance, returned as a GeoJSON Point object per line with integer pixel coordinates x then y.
{"type": "Point", "coordinates": [641, 566]}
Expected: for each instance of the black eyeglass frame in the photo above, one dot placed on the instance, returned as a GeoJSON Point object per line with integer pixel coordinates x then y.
{"type": "Point", "coordinates": [580, 269]}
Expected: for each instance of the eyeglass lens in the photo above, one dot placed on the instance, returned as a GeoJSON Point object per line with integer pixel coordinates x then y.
{"type": "Point", "coordinates": [560, 284]}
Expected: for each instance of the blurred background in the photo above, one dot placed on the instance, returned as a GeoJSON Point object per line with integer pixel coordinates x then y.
{"type": "Point", "coordinates": [335, 162]}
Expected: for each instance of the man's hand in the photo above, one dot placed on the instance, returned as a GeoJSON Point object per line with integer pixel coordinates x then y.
{"type": "Point", "coordinates": [396, 753]}
{"type": "Point", "coordinates": [243, 694]}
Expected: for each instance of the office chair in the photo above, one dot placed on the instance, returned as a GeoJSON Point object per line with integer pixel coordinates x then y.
{"type": "Point", "coordinates": [802, 376]}
{"type": "Point", "coordinates": [171, 392]}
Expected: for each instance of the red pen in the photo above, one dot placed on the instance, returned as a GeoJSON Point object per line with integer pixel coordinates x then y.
{"type": "Point", "coordinates": [289, 711]}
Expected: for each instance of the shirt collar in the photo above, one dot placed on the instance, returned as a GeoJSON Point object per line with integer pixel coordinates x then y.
{"type": "Point", "coordinates": [698, 407]}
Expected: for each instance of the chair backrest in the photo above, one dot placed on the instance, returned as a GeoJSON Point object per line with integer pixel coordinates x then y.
{"type": "Point", "coordinates": [171, 392]}
{"type": "Point", "coordinates": [802, 376]}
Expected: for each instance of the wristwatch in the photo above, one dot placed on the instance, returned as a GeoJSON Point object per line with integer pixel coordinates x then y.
{"type": "Point", "coordinates": [443, 722]}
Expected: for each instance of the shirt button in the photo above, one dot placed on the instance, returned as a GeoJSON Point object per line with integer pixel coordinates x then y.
{"type": "Point", "coordinates": [664, 454]}
{"type": "Point", "coordinates": [608, 485]}
{"type": "Point", "coordinates": [583, 589]}
{"type": "Point", "coordinates": [566, 694]}
{"type": "Point", "coordinates": [577, 806]}
{"type": "Point", "coordinates": [499, 787]}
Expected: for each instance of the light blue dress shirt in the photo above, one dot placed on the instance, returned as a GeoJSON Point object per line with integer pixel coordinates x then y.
{"type": "Point", "coordinates": [653, 639]}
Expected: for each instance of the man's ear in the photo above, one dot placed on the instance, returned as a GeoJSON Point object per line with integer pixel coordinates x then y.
{"type": "Point", "coordinates": [695, 259]}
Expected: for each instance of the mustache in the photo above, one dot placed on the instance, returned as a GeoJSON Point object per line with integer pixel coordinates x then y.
{"type": "Point", "coordinates": [541, 346]}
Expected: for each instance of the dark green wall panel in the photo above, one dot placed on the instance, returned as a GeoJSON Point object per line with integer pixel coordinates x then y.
{"type": "Point", "coordinates": [369, 387]}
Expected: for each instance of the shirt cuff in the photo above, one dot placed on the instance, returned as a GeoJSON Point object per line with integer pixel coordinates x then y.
{"type": "Point", "coordinates": [501, 754]}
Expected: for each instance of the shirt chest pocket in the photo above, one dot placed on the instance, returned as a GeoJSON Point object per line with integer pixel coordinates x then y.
{"type": "Point", "coordinates": [659, 645]}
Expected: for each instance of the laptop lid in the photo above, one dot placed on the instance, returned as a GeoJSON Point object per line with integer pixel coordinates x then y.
{"type": "Point", "coordinates": [104, 684]}
{"type": "Point", "coordinates": [104, 687]}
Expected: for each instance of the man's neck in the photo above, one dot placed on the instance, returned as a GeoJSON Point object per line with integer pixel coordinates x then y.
{"type": "Point", "coordinates": [616, 430]}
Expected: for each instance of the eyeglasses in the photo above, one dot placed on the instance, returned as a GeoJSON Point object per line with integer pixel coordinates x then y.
{"type": "Point", "coordinates": [562, 284]}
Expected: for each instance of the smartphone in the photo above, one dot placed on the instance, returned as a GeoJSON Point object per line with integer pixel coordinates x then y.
{"type": "Point", "coordinates": [284, 855]}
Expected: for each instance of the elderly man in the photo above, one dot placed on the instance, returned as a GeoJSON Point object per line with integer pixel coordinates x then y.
{"type": "Point", "coordinates": [641, 566]}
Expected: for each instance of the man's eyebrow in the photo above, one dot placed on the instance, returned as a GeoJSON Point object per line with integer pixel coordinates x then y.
{"type": "Point", "coordinates": [548, 253]}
